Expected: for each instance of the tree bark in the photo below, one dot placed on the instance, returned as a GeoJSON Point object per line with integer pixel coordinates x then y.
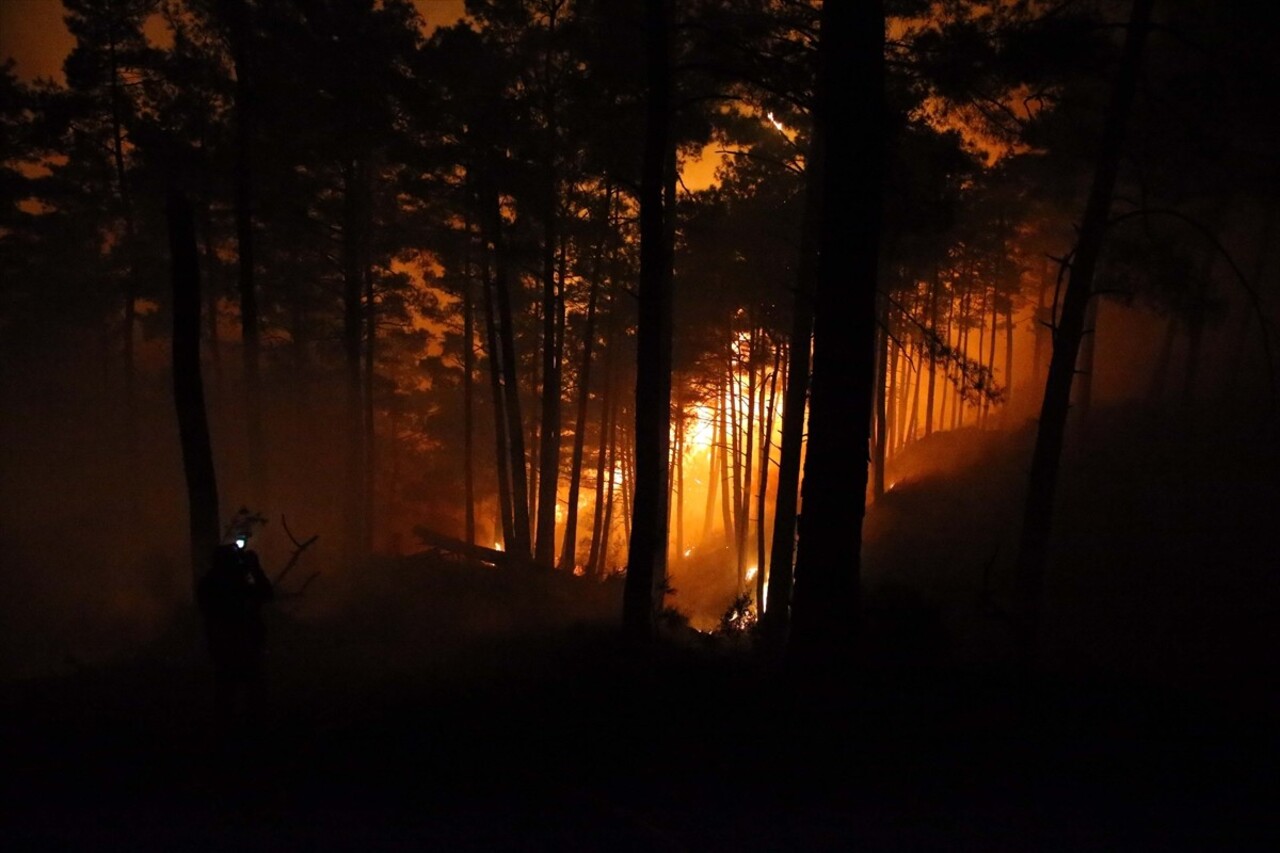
{"type": "Point", "coordinates": [568, 553]}
{"type": "Point", "coordinates": [502, 455]}
{"type": "Point", "coordinates": [1033, 550]}
{"type": "Point", "coordinates": [647, 552]}
{"type": "Point", "coordinates": [881, 391]}
{"type": "Point", "coordinates": [826, 607]}
{"type": "Point", "coordinates": [766, 436]}
{"type": "Point", "coordinates": [352, 338]}
{"type": "Point", "coordinates": [188, 388]}
{"type": "Point", "coordinates": [795, 397]}
{"type": "Point", "coordinates": [520, 542]}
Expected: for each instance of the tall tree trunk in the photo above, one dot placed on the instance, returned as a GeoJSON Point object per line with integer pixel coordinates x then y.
{"type": "Point", "coordinates": [188, 388]}
{"type": "Point", "coordinates": [713, 474]}
{"type": "Point", "coordinates": [991, 355]}
{"type": "Point", "coordinates": [468, 390]}
{"type": "Point", "coordinates": [826, 607]}
{"type": "Point", "coordinates": [735, 447]}
{"type": "Point", "coordinates": [549, 431]}
{"type": "Point", "coordinates": [520, 543]}
{"type": "Point", "coordinates": [606, 529]}
{"type": "Point", "coordinates": [766, 438]}
{"type": "Point", "coordinates": [726, 513]}
{"type": "Point", "coordinates": [240, 31]}
{"type": "Point", "coordinates": [502, 454]}
{"type": "Point", "coordinates": [778, 617]}
{"type": "Point", "coordinates": [647, 552]}
{"type": "Point", "coordinates": [352, 335]}
{"type": "Point", "coordinates": [933, 353]}
{"type": "Point", "coordinates": [607, 415]}
{"type": "Point", "coordinates": [1044, 315]}
{"type": "Point", "coordinates": [1033, 550]}
{"type": "Point", "coordinates": [568, 553]}
{"type": "Point", "coordinates": [881, 390]}
{"type": "Point", "coordinates": [677, 463]}
{"type": "Point", "coordinates": [742, 518]}
{"type": "Point", "coordinates": [370, 433]}
{"type": "Point", "coordinates": [1008, 354]}
{"type": "Point", "coordinates": [914, 407]}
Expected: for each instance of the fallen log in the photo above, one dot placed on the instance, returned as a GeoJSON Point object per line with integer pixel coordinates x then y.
{"type": "Point", "coordinates": [451, 545]}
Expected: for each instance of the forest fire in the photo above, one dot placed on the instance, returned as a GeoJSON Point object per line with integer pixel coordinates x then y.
{"type": "Point", "coordinates": [695, 404]}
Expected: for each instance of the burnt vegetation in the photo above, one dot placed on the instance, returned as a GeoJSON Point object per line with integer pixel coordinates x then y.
{"type": "Point", "coordinates": [725, 424]}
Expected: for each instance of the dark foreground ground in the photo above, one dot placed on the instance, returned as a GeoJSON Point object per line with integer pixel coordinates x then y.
{"type": "Point", "coordinates": [551, 738]}
{"type": "Point", "coordinates": [422, 705]}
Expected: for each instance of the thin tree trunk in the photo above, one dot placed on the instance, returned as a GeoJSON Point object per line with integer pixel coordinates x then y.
{"type": "Point", "coordinates": [933, 353]}
{"type": "Point", "coordinates": [743, 518]}
{"type": "Point", "coordinates": [370, 433]}
{"type": "Point", "coordinates": [569, 551]}
{"type": "Point", "coordinates": [726, 514]}
{"type": "Point", "coordinates": [1033, 551]}
{"type": "Point", "coordinates": [501, 422]}
{"type": "Point", "coordinates": [468, 392]}
{"type": "Point", "coordinates": [188, 388]}
{"type": "Point", "coordinates": [549, 431]}
{"type": "Point", "coordinates": [991, 356]}
{"type": "Point", "coordinates": [881, 386]}
{"type": "Point", "coordinates": [520, 543]}
{"type": "Point", "coordinates": [603, 457]}
{"type": "Point", "coordinates": [237, 13]}
{"type": "Point", "coordinates": [766, 439]}
{"type": "Point", "coordinates": [713, 474]}
{"type": "Point", "coordinates": [352, 269]}
{"type": "Point", "coordinates": [607, 529]}
{"type": "Point", "coordinates": [1008, 355]}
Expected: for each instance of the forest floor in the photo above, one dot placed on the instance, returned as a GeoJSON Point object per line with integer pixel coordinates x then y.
{"type": "Point", "coordinates": [421, 704]}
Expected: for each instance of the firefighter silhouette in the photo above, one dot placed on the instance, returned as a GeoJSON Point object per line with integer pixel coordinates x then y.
{"type": "Point", "coordinates": [231, 597]}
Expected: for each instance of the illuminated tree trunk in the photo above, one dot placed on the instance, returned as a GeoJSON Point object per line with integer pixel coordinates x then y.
{"type": "Point", "coordinates": [713, 478]}
{"type": "Point", "coordinates": [933, 354]}
{"type": "Point", "coordinates": [892, 427]}
{"type": "Point", "coordinates": [743, 508]}
{"type": "Point", "coordinates": [549, 431]}
{"type": "Point", "coordinates": [677, 463]}
{"type": "Point", "coordinates": [628, 482]}
{"type": "Point", "coordinates": [1008, 354]}
{"type": "Point", "coordinates": [766, 430]}
{"type": "Point", "coordinates": [569, 550]}
{"type": "Point", "coordinates": [468, 392]}
{"type": "Point", "coordinates": [188, 388]}
{"type": "Point", "coordinates": [791, 444]}
{"type": "Point", "coordinates": [519, 544]}
{"type": "Point", "coordinates": [726, 515]}
{"type": "Point", "coordinates": [918, 380]}
{"type": "Point", "coordinates": [1033, 550]}
{"type": "Point", "coordinates": [647, 552]}
{"type": "Point", "coordinates": [735, 446]}
{"type": "Point", "coordinates": [552, 327]}
{"type": "Point", "coordinates": [944, 393]}
{"type": "Point", "coordinates": [849, 112]}
{"type": "Point", "coordinates": [606, 533]}
{"type": "Point", "coordinates": [991, 355]}
{"type": "Point", "coordinates": [501, 422]}
{"type": "Point", "coordinates": [604, 463]}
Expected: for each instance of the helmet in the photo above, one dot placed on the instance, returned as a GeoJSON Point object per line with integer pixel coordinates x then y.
{"type": "Point", "coordinates": [240, 528]}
